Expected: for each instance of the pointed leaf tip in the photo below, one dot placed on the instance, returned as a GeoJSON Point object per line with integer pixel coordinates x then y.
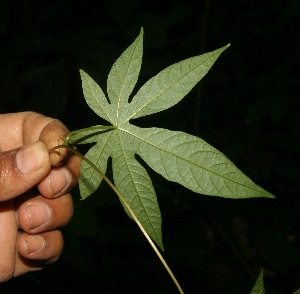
{"type": "Point", "coordinates": [192, 162]}
{"type": "Point", "coordinates": [172, 84]}
{"type": "Point", "coordinates": [259, 287]}
{"type": "Point", "coordinates": [123, 77]}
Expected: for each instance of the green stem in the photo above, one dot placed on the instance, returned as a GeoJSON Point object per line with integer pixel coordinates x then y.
{"type": "Point", "coordinates": [123, 200]}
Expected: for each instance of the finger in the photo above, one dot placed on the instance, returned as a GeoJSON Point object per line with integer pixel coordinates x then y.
{"type": "Point", "coordinates": [22, 169]}
{"type": "Point", "coordinates": [45, 246]}
{"type": "Point", "coordinates": [61, 179]}
{"type": "Point", "coordinates": [40, 214]}
{"type": "Point", "coordinates": [8, 235]}
{"type": "Point", "coordinates": [35, 251]}
{"type": "Point", "coordinates": [21, 128]}
{"type": "Point", "coordinates": [23, 265]}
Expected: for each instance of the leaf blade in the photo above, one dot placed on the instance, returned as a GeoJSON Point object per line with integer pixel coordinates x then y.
{"type": "Point", "coordinates": [89, 179]}
{"type": "Point", "coordinates": [124, 75]}
{"type": "Point", "coordinates": [172, 84]}
{"type": "Point", "coordinates": [133, 181]}
{"type": "Point", "coordinates": [193, 163]}
{"type": "Point", "coordinates": [259, 287]}
{"type": "Point", "coordinates": [95, 98]}
{"type": "Point", "coordinates": [88, 135]}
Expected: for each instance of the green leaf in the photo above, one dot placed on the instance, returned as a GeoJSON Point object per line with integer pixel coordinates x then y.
{"type": "Point", "coordinates": [123, 77]}
{"type": "Point", "coordinates": [95, 98]}
{"type": "Point", "coordinates": [177, 156]}
{"type": "Point", "coordinates": [89, 179]}
{"type": "Point", "coordinates": [172, 84]}
{"type": "Point", "coordinates": [259, 285]}
{"type": "Point", "coordinates": [132, 180]}
{"type": "Point", "coordinates": [193, 163]}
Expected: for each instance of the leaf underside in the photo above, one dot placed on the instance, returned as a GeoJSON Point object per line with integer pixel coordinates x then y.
{"type": "Point", "coordinates": [177, 156]}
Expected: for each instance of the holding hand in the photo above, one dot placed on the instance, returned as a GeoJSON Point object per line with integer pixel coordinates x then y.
{"type": "Point", "coordinates": [34, 186]}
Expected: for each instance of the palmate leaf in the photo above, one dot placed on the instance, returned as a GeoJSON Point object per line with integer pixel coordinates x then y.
{"type": "Point", "coordinates": [177, 156]}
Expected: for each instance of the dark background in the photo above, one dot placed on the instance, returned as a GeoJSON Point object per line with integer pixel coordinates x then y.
{"type": "Point", "coordinates": [247, 107]}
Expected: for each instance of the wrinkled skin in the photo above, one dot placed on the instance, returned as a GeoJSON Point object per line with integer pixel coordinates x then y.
{"type": "Point", "coordinates": [34, 186]}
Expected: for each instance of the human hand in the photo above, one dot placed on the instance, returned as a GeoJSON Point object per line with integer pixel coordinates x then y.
{"type": "Point", "coordinates": [34, 198]}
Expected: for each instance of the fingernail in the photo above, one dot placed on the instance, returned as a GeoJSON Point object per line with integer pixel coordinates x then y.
{"type": "Point", "coordinates": [34, 244]}
{"type": "Point", "coordinates": [30, 158]}
{"type": "Point", "coordinates": [59, 180]}
{"type": "Point", "coordinates": [39, 214]}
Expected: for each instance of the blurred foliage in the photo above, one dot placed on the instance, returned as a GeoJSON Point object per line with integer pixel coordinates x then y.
{"type": "Point", "coordinates": [247, 106]}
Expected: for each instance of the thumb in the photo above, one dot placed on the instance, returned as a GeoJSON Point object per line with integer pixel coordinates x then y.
{"type": "Point", "coordinates": [22, 169]}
